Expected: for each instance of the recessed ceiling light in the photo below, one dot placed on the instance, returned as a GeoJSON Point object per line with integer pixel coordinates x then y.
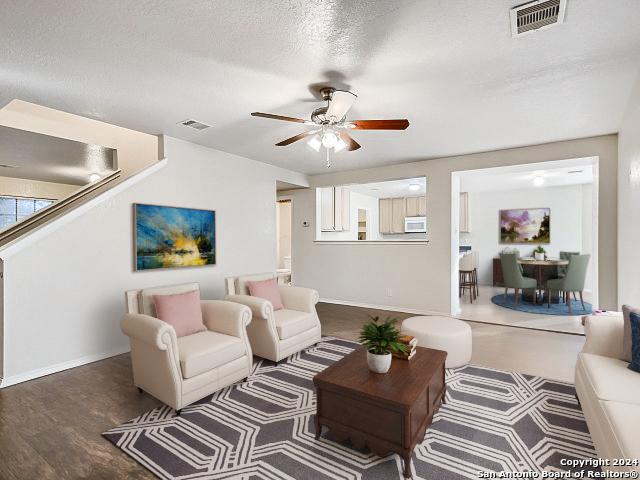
{"type": "Point", "coordinates": [538, 181]}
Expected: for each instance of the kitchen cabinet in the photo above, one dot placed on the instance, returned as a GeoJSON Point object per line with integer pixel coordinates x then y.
{"type": "Point", "coordinates": [465, 224]}
{"type": "Point", "coordinates": [385, 213]}
{"type": "Point", "coordinates": [422, 206]}
{"type": "Point", "coordinates": [335, 209]}
{"type": "Point", "coordinates": [398, 213]}
{"type": "Point", "coordinates": [392, 212]}
{"type": "Point", "coordinates": [416, 206]}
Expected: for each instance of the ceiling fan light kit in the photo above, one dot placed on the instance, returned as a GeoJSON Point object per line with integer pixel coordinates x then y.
{"type": "Point", "coordinates": [331, 130]}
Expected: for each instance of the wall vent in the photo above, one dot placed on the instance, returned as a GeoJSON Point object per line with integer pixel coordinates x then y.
{"type": "Point", "coordinates": [536, 15]}
{"type": "Point", "coordinates": [194, 124]}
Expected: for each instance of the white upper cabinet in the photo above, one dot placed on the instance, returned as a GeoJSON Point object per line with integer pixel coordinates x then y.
{"type": "Point", "coordinates": [335, 209]}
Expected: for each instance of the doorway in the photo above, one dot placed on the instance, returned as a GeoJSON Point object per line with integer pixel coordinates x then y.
{"type": "Point", "coordinates": [494, 211]}
{"type": "Point", "coordinates": [283, 229]}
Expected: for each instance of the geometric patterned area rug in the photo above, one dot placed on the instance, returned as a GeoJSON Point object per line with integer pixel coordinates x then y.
{"type": "Point", "coordinates": [263, 428]}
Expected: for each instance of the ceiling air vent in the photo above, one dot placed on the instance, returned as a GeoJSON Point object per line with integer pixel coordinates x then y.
{"type": "Point", "coordinates": [194, 124]}
{"type": "Point", "coordinates": [537, 15]}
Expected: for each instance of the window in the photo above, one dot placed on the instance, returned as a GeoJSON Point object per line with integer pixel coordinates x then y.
{"type": "Point", "coordinates": [14, 209]}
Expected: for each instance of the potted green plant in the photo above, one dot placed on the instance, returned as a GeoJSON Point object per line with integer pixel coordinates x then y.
{"type": "Point", "coordinates": [539, 253]}
{"type": "Point", "coordinates": [381, 339]}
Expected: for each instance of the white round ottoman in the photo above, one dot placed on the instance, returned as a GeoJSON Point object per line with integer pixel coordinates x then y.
{"type": "Point", "coordinates": [442, 333]}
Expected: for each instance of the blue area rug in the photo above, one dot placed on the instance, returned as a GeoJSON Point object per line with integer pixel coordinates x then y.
{"type": "Point", "coordinates": [556, 308]}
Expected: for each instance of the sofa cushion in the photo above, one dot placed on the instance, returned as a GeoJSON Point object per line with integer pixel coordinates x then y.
{"type": "Point", "coordinates": [267, 289]}
{"type": "Point", "coordinates": [241, 282]}
{"type": "Point", "coordinates": [182, 311]}
{"type": "Point", "coordinates": [624, 419]}
{"type": "Point", "coordinates": [204, 351]}
{"type": "Point", "coordinates": [626, 339]}
{"type": "Point", "coordinates": [292, 322]}
{"type": "Point", "coordinates": [145, 299]}
{"type": "Point", "coordinates": [610, 378]}
{"type": "Point", "coordinates": [635, 342]}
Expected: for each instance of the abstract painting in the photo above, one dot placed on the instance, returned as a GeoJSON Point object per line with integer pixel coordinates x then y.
{"type": "Point", "coordinates": [167, 237]}
{"type": "Point", "coordinates": [525, 225]}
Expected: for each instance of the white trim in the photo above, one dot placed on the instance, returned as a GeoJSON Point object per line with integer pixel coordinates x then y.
{"type": "Point", "coordinates": [371, 242]}
{"type": "Point", "coordinates": [22, 242]}
{"type": "Point", "coordinates": [391, 308]}
{"type": "Point", "coordinates": [59, 367]}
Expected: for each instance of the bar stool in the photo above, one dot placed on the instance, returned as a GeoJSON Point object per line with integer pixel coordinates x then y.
{"type": "Point", "coordinates": [468, 276]}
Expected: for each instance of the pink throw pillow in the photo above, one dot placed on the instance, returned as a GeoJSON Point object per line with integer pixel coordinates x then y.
{"type": "Point", "coordinates": [267, 289]}
{"type": "Point", "coordinates": [182, 311]}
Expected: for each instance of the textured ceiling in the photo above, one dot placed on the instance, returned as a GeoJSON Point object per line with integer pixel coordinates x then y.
{"type": "Point", "coordinates": [450, 67]}
{"type": "Point", "coordinates": [559, 173]}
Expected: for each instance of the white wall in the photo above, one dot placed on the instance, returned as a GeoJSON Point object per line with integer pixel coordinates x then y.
{"type": "Point", "coordinates": [418, 274]}
{"type": "Point", "coordinates": [567, 222]}
{"type": "Point", "coordinates": [63, 295]}
{"type": "Point", "coordinates": [23, 187]}
{"type": "Point", "coordinates": [629, 202]}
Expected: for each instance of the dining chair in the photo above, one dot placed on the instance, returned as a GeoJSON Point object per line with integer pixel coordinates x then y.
{"type": "Point", "coordinates": [467, 269]}
{"type": "Point", "coordinates": [562, 269]}
{"type": "Point", "coordinates": [513, 277]}
{"type": "Point", "coordinates": [573, 281]}
{"type": "Point", "coordinates": [476, 267]}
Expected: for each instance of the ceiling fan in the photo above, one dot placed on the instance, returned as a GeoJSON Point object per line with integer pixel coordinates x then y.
{"type": "Point", "coordinates": [331, 126]}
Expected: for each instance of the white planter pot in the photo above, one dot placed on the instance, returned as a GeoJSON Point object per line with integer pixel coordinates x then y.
{"type": "Point", "coordinates": [379, 363]}
{"type": "Point", "coordinates": [539, 256]}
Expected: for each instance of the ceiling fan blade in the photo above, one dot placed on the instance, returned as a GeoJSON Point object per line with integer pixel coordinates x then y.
{"type": "Point", "coordinates": [351, 143]}
{"type": "Point", "coordinates": [340, 103]}
{"type": "Point", "coordinates": [300, 136]}
{"type": "Point", "coordinates": [400, 124]}
{"type": "Point", "coordinates": [278, 117]}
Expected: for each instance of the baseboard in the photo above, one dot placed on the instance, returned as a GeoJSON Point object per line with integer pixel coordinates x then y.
{"type": "Point", "coordinates": [391, 308]}
{"type": "Point", "coordinates": [59, 367]}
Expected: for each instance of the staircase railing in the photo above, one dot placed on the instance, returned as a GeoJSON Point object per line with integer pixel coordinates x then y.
{"type": "Point", "coordinates": [16, 230]}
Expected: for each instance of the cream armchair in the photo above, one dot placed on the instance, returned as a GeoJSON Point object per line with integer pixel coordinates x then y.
{"type": "Point", "coordinates": [275, 335]}
{"type": "Point", "coordinates": [179, 371]}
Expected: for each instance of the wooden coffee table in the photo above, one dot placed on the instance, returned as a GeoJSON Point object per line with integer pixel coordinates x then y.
{"type": "Point", "coordinates": [385, 412]}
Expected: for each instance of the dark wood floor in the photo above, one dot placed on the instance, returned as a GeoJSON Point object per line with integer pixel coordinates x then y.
{"type": "Point", "coordinates": [50, 428]}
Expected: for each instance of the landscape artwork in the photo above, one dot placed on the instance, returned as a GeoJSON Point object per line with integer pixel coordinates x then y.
{"type": "Point", "coordinates": [167, 237]}
{"type": "Point", "coordinates": [526, 225]}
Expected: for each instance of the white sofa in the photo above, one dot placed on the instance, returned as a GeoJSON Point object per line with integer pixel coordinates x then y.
{"type": "Point", "coordinates": [180, 371]}
{"type": "Point", "coordinates": [608, 391]}
{"type": "Point", "coordinates": [276, 334]}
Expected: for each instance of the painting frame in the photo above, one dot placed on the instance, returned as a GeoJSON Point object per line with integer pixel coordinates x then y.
{"type": "Point", "coordinates": [509, 213]}
{"type": "Point", "coordinates": [136, 236]}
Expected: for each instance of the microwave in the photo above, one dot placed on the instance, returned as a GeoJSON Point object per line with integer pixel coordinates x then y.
{"type": "Point", "coordinates": [415, 225]}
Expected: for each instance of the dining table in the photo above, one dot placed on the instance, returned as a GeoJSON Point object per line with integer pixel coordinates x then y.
{"type": "Point", "coordinates": [544, 270]}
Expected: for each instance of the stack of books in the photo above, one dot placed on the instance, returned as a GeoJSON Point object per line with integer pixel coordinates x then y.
{"type": "Point", "coordinates": [410, 342]}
